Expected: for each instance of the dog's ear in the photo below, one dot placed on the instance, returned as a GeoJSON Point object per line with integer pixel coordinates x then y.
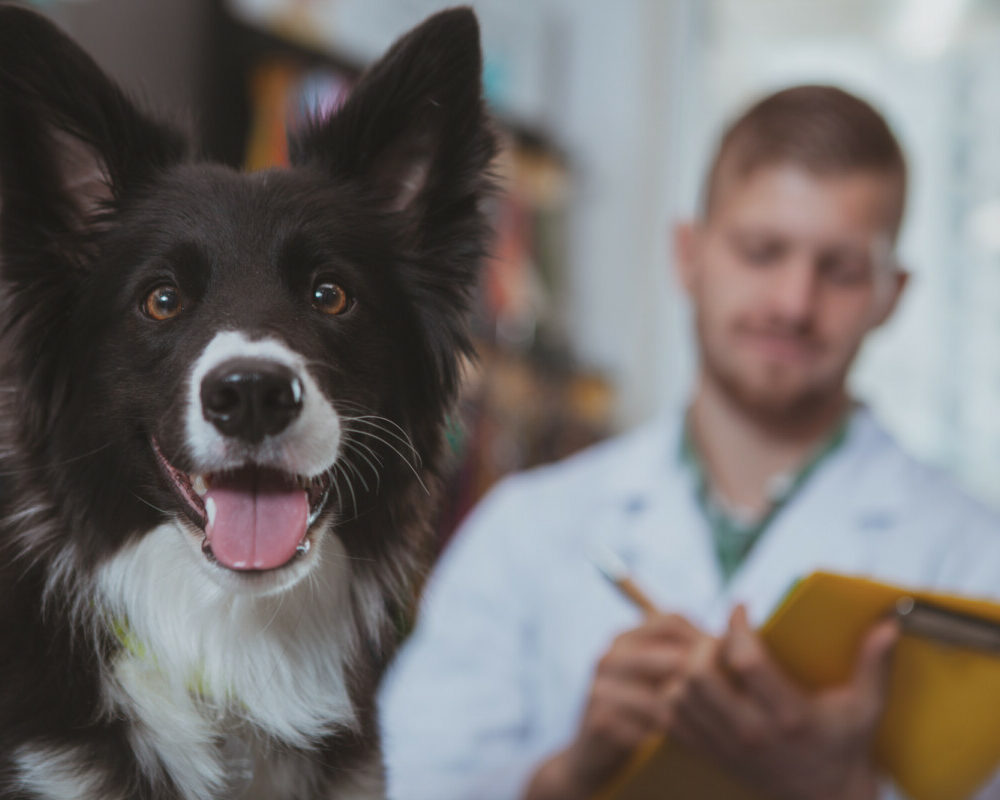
{"type": "Point", "coordinates": [71, 144]}
{"type": "Point", "coordinates": [415, 138]}
{"type": "Point", "coordinates": [414, 131]}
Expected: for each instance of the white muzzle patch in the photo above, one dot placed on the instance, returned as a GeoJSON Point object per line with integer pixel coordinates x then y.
{"type": "Point", "coordinates": [307, 447]}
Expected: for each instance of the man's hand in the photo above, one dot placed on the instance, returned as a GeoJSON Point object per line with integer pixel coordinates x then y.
{"type": "Point", "coordinates": [739, 707]}
{"type": "Point", "coordinates": [625, 706]}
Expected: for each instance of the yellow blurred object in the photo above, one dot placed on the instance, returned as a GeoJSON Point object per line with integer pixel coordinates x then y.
{"type": "Point", "coordinates": [271, 88]}
{"type": "Point", "coordinates": [940, 736]}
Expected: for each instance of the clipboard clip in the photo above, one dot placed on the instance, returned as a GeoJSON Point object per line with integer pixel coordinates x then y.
{"type": "Point", "coordinates": [945, 626]}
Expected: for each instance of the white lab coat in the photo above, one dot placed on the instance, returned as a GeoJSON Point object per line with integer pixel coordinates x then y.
{"type": "Point", "coordinates": [515, 616]}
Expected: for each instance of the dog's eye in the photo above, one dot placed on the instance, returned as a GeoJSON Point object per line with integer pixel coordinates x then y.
{"type": "Point", "coordinates": [163, 303]}
{"type": "Point", "coordinates": [330, 298]}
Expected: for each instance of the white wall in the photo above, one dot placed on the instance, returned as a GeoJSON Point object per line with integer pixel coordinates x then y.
{"type": "Point", "coordinates": [626, 119]}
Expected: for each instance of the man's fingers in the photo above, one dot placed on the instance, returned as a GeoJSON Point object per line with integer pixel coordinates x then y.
{"type": "Point", "coordinates": [651, 664]}
{"type": "Point", "coordinates": [700, 728]}
{"type": "Point", "coordinates": [619, 734]}
{"type": "Point", "coordinates": [689, 727]}
{"type": "Point", "coordinates": [612, 702]}
{"type": "Point", "coordinates": [705, 701]}
{"type": "Point", "coordinates": [747, 660]}
{"type": "Point", "coordinates": [666, 626]}
{"type": "Point", "coordinates": [652, 651]}
{"type": "Point", "coordinates": [873, 664]}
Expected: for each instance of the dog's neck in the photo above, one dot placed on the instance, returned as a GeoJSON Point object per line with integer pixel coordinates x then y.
{"type": "Point", "coordinates": [208, 673]}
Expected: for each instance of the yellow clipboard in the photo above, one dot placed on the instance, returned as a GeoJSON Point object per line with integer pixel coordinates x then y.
{"type": "Point", "coordinates": [940, 736]}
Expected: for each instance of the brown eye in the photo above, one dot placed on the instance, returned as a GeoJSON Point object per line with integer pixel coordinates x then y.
{"type": "Point", "coordinates": [329, 298]}
{"type": "Point", "coordinates": [163, 303]}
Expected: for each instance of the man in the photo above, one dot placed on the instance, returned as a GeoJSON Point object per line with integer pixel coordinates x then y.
{"type": "Point", "coordinates": [530, 677]}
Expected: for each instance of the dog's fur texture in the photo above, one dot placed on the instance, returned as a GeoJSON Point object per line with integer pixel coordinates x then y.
{"type": "Point", "coordinates": [134, 664]}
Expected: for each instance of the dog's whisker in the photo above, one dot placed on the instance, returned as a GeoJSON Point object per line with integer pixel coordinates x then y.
{"type": "Point", "coordinates": [154, 507]}
{"type": "Point", "coordinates": [399, 433]}
{"type": "Point", "coordinates": [351, 439]}
{"type": "Point", "coordinates": [274, 614]}
{"type": "Point", "coordinates": [347, 479]}
{"type": "Point", "coordinates": [351, 443]}
{"type": "Point", "coordinates": [336, 486]}
{"type": "Point", "coordinates": [348, 557]}
{"type": "Point", "coordinates": [365, 432]}
{"type": "Point", "coordinates": [348, 464]}
{"type": "Point", "coordinates": [413, 469]}
{"type": "Point", "coordinates": [368, 413]}
{"type": "Point", "coordinates": [357, 470]}
{"type": "Point", "coordinates": [71, 460]}
{"type": "Point", "coordinates": [402, 439]}
{"type": "Point", "coordinates": [415, 458]}
{"type": "Point", "coordinates": [353, 446]}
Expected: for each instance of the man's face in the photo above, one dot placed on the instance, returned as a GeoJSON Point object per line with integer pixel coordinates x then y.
{"type": "Point", "coordinates": [787, 275]}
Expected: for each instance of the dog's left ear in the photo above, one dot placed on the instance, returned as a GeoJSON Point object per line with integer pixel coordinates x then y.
{"type": "Point", "coordinates": [414, 132]}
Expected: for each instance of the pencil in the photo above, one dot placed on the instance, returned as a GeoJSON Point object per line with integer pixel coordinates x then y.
{"type": "Point", "coordinates": [613, 568]}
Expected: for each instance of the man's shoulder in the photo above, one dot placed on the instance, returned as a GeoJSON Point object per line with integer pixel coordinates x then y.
{"type": "Point", "coordinates": [918, 485]}
{"type": "Point", "coordinates": [564, 495]}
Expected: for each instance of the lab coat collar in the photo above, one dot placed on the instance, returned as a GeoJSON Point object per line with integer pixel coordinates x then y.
{"type": "Point", "coordinates": [650, 517]}
{"type": "Point", "coordinates": [651, 460]}
{"type": "Point", "coordinates": [871, 470]}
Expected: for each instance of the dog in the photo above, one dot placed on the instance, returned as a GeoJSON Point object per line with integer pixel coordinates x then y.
{"type": "Point", "coordinates": [223, 403]}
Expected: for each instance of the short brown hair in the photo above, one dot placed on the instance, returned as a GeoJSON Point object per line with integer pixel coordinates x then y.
{"type": "Point", "coordinates": [822, 129]}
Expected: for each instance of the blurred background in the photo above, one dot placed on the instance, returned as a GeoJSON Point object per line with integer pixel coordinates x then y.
{"type": "Point", "coordinates": [610, 109]}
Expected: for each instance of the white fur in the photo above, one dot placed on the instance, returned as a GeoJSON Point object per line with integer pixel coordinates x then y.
{"type": "Point", "coordinates": [307, 447]}
{"type": "Point", "coordinates": [209, 660]}
{"type": "Point", "coordinates": [57, 774]}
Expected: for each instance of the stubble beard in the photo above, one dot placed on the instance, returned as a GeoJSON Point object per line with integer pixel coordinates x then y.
{"type": "Point", "coordinates": [766, 402]}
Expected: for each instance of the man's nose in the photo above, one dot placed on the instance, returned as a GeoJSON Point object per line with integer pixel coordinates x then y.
{"type": "Point", "coordinates": [795, 292]}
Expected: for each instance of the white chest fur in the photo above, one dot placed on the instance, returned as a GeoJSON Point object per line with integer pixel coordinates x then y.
{"type": "Point", "coordinates": [203, 664]}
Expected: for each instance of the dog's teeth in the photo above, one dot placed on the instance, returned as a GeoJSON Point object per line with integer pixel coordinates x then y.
{"type": "Point", "coordinates": [210, 511]}
{"type": "Point", "coordinates": [303, 547]}
{"type": "Point", "coordinates": [199, 485]}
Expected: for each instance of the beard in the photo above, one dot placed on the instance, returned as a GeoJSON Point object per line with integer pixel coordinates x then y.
{"type": "Point", "coordinates": [772, 405]}
{"type": "Point", "coordinates": [772, 397]}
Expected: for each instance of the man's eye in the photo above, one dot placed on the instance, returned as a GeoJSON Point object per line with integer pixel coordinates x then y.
{"type": "Point", "coordinates": [760, 254]}
{"type": "Point", "coordinates": [846, 271]}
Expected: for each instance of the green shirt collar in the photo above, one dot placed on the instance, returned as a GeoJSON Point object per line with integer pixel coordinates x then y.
{"type": "Point", "coordinates": [733, 534]}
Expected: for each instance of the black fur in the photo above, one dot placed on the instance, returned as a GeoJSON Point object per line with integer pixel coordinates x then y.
{"type": "Point", "coordinates": [98, 202]}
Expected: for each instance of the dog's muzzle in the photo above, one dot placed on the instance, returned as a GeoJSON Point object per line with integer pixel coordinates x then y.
{"type": "Point", "coordinates": [249, 399]}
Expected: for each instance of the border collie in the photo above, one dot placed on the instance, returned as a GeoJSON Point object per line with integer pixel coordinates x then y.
{"type": "Point", "coordinates": [222, 399]}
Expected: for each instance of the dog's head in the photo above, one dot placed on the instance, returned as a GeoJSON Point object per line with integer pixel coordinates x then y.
{"type": "Point", "coordinates": [260, 356]}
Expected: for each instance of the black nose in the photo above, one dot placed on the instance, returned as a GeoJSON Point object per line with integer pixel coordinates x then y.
{"type": "Point", "coordinates": [249, 399]}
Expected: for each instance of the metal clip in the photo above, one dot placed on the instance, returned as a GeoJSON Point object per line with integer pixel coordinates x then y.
{"type": "Point", "coordinates": [946, 626]}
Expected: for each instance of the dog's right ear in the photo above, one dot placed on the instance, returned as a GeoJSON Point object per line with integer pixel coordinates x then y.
{"type": "Point", "coordinates": [71, 144]}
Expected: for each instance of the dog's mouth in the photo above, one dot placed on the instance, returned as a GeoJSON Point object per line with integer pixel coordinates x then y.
{"type": "Point", "coordinates": [254, 518]}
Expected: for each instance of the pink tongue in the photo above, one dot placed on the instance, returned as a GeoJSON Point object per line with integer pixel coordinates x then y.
{"type": "Point", "coordinates": [259, 519]}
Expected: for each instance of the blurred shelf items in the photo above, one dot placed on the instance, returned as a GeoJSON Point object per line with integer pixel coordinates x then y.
{"type": "Point", "coordinates": [525, 401]}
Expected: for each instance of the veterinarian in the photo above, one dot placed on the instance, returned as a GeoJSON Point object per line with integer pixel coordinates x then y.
{"type": "Point", "coordinates": [530, 677]}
